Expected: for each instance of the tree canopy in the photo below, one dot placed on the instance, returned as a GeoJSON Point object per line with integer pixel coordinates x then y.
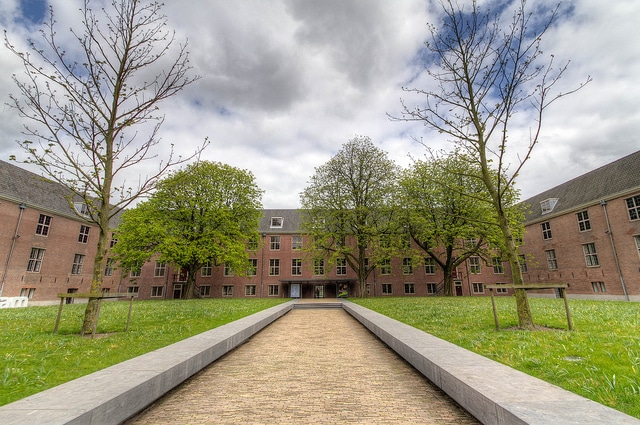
{"type": "Point", "coordinates": [204, 214]}
{"type": "Point", "coordinates": [348, 208]}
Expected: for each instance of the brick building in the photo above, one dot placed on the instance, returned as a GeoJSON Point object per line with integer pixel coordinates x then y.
{"type": "Point", "coordinates": [586, 233]}
{"type": "Point", "coordinates": [45, 247]}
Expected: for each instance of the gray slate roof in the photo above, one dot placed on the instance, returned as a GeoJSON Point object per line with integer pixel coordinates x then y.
{"type": "Point", "coordinates": [22, 186]}
{"type": "Point", "coordinates": [615, 179]}
{"type": "Point", "coordinates": [290, 222]}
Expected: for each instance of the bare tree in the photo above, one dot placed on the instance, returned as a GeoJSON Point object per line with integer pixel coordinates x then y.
{"type": "Point", "coordinates": [92, 109]}
{"type": "Point", "coordinates": [486, 71]}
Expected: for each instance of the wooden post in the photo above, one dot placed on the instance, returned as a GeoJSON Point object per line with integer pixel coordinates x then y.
{"type": "Point", "coordinates": [495, 313]}
{"type": "Point", "coordinates": [566, 307]}
{"type": "Point", "coordinates": [129, 315]}
{"type": "Point", "coordinates": [55, 328]}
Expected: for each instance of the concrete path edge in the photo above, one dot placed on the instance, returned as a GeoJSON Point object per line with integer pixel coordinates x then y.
{"type": "Point", "coordinates": [492, 392]}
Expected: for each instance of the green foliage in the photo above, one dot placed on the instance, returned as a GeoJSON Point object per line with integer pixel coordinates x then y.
{"type": "Point", "coordinates": [600, 360]}
{"type": "Point", "coordinates": [34, 359]}
{"type": "Point", "coordinates": [204, 213]}
{"type": "Point", "coordinates": [349, 206]}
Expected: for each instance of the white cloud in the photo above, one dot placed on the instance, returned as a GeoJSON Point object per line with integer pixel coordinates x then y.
{"type": "Point", "coordinates": [285, 83]}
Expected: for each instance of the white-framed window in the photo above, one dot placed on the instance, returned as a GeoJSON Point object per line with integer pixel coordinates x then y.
{"type": "Point", "coordinates": [206, 270]}
{"type": "Point", "coordinates": [274, 290]}
{"type": "Point", "coordinates": [407, 266]}
{"type": "Point", "coordinates": [253, 267]}
{"type": "Point", "coordinates": [478, 288]}
{"type": "Point", "coordinates": [584, 223]}
{"type": "Point", "coordinates": [387, 289]}
{"type": "Point", "coordinates": [498, 265]}
{"type": "Point", "coordinates": [133, 290]}
{"type": "Point", "coordinates": [598, 287]}
{"type": "Point", "coordinates": [276, 222]}
{"type": "Point", "coordinates": [157, 291]}
{"type": "Point", "coordinates": [296, 242]}
{"type": "Point", "coordinates": [250, 290]}
{"type": "Point", "coordinates": [522, 261]}
{"type": "Point", "coordinates": [135, 273]}
{"type": "Point", "coordinates": [78, 260]}
{"type": "Point", "coordinates": [83, 237]}
{"type": "Point", "coordinates": [159, 269]}
{"type": "Point", "coordinates": [341, 266]}
{"type": "Point", "coordinates": [552, 261]}
{"type": "Point", "coordinates": [548, 205]}
{"type": "Point", "coordinates": [252, 243]}
{"type": "Point", "coordinates": [633, 206]}
{"type": "Point", "coordinates": [501, 290]}
{"type": "Point", "coordinates": [274, 244]}
{"type": "Point", "coordinates": [228, 270]}
{"type": "Point", "coordinates": [546, 230]}
{"type": "Point", "coordinates": [432, 288]}
{"type": "Point", "coordinates": [27, 292]}
{"type": "Point", "coordinates": [81, 208]}
{"type": "Point", "coordinates": [274, 267]}
{"type": "Point", "coordinates": [108, 268]}
{"type": "Point", "coordinates": [474, 265]}
{"type": "Point", "coordinates": [637, 240]}
{"type": "Point", "coordinates": [409, 288]}
{"type": "Point", "coordinates": [227, 290]}
{"type": "Point", "coordinates": [318, 266]}
{"type": "Point", "coordinates": [205, 290]}
{"type": "Point", "coordinates": [385, 267]}
{"type": "Point", "coordinates": [590, 254]}
{"type": "Point", "coordinates": [44, 224]}
{"type": "Point", "coordinates": [296, 267]}
{"type": "Point", "coordinates": [429, 265]}
{"type": "Point", "coordinates": [35, 260]}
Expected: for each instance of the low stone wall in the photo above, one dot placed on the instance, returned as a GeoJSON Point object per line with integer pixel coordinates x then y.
{"type": "Point", "coordinates": [492, 392]}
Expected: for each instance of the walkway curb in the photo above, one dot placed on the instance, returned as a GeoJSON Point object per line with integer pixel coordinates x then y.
{"type": "Point", "coordinates": [492, 392]}
{"type": "Point", "coordinates": [114, 394]}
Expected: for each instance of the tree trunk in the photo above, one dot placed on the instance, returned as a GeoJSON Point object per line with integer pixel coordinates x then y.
{"type": "Point", "coordinates": [448, 283]}
{"type": "Point", "coordinates": [91, 312]}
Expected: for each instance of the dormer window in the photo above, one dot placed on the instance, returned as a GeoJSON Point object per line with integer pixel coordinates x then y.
{"type": "Point", "coordinates": [548, 205]}
{"type": "Point", "coordinates": [276, 222]}
{"type": "Point", "coordinates": [82, 208]}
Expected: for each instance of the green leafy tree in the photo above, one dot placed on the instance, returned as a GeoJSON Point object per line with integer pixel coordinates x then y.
{"type": "Point", "coordinates": [91, 109]}
{"type": "Point", "coordinates": [348, 208]}
{"type": "Point", "coordinates": [205, 213]}
{"type": "Point", "coordinates": [484, 71]}
{"type": "Point", "coordinates": [449, 213]}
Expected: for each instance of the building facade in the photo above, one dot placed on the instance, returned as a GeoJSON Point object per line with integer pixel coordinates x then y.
{"type": "Point", "coordinates": [585, 232]}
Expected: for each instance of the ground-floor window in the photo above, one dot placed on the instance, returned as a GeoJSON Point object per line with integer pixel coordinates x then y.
{"type": "Point", "coordinates": [432, 288]}
{"type": "Point", "coordinates": [205, 290]}
{"type": "Point", "coordinates": [133, 290]}
{"type": "Point", "coordinates": [478, 288]}
{"type": "Point", "coordinates": [274, 290]}
{"type": "Point", "coordinates": [409, 288]}
{"type": "Point", "coordinates": [386, 289]}
{"type": "Point", "coordinates": [250, 290]}
{"type": "Point", "coordinates": [501, 290]}
{"type": "Point", "coordinates": [227, 291]}
{"type": "Point", "coordinates": [599, 287]}
{"type": "Point", "coordinates": [27, 292]}
{"type": "Point", "coordinates": [157, 291]}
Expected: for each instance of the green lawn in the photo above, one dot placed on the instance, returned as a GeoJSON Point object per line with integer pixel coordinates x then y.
{"type": "Point", "coordinates": [33, 359]}
{"type": "Point", "coordinates": [599, 360]}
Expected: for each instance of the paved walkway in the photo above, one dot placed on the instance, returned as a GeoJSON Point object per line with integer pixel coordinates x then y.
{"type": "Point", "coordinates": [315, 366]}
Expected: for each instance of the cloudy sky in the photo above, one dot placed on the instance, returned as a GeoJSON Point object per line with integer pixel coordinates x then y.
{"type": "Point", "coordinates": [285, 83]}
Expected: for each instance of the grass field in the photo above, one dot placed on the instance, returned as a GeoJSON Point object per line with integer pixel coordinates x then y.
{"type": "Point", "coordinates": [33, 359]}
{"type": "Point", "coordinates": [599, 360]}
